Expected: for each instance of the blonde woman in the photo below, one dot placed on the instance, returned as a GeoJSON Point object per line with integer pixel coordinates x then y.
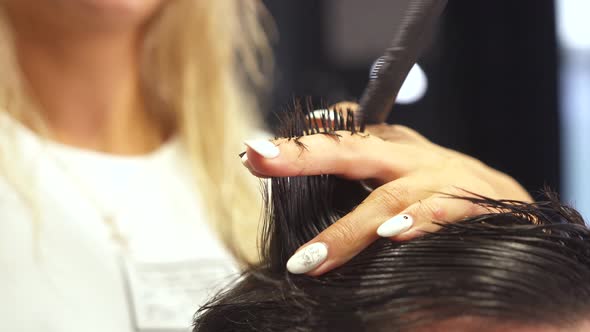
{"type": "Point", "coordinates": [122, 202]}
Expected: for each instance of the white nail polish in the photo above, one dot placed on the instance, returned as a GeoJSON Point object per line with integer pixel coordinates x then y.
{"type": "Point", "coordinates": [308, 258]}
{"type": "Point", "coordinates": [395, 225]}
{"type": "Point", "coordinates": [263, 147]}
{"type": "Point", "coordinates": [245, 160]}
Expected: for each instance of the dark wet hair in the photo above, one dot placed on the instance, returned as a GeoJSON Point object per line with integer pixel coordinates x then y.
{"type": "Point", "coordinates": [521, 263]}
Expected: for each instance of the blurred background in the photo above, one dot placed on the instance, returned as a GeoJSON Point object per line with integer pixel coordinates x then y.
{"type": "Point", "coordinates": [507, 81]}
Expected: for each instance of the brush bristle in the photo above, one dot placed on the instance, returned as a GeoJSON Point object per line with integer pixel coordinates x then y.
{"type": "Point", "coordinates": [303, 120]}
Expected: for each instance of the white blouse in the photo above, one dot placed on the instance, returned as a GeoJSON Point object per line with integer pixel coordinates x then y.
{"type": "Point", "coordinates": [113, 244]}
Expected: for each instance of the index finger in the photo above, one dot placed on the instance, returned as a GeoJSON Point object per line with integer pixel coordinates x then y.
{"type": "Point", "coordinates": [352, 156]}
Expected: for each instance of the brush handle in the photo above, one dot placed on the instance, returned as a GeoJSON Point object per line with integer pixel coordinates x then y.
{"type": "Point", "coordinates": [388, 76]}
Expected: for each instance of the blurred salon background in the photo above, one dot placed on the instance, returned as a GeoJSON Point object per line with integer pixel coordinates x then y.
{"type": "Point", "coordinates": [505, 81]}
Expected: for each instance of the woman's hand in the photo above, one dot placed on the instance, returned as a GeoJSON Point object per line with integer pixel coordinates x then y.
{"type": "Point", "coordinates": [409, 173]}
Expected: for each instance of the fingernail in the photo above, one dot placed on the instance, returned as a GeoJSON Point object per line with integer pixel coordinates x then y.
{"type": "Point", "coordinates": [263, 147]}
{"type": "Point", "coordinates": [244, 159]}
{"type": "Point", "coordinates": [308, 258]}
{"type": "Point", "coordinates": [395, 225]}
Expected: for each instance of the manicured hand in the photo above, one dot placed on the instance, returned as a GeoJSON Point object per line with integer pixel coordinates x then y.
{"type": "Point", "coordinates": [408, 172]}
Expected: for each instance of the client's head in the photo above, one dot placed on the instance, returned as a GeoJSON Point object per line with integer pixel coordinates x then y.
{"type": "Point", "coordinates": [521, 267]}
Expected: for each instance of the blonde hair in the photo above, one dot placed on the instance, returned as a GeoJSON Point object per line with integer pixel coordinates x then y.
{"type": "Point", "coordinates": [191, 54]}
